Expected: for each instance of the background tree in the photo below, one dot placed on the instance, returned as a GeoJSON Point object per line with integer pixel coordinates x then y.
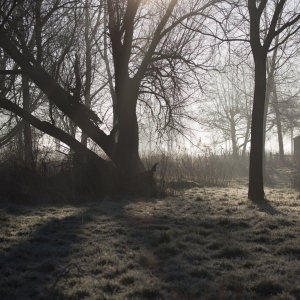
{"type": "Point", "coordinates": [227, 111]}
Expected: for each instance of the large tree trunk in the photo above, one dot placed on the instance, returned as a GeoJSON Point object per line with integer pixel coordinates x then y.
{"type": "Point", "coordinates": [126, 152]}
{"type": "Point", "coordinates": [256, 186]}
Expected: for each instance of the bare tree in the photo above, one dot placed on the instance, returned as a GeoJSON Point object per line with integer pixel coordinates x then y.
{"type": "Point", "coordinates": [261, 40]}
{"type": "Point", "coordinates": [151, 50]}
{"type": "Point", "coordinates": [228, 107]}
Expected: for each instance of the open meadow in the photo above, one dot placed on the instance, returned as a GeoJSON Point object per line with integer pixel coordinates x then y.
{"type": "Point", "coordinates": [197, 243]}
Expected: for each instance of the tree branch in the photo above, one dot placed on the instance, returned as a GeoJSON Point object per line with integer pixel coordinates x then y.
{"type": "Point", "coordinates": [9, 72]}
{"type": "Point", "coordinates": [272, 28]}
{"type": "Point", "coordinates": [8, 136]}
{"type": "Point", "coordinates": [156, 38]}
{"type": "Point", "coordinates": [45, 126]}
{"type": "Point", "coordinates": [82, 116]}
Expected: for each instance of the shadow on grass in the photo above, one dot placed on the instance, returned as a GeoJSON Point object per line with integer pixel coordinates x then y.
{"type": "Point", "coordinates": [33, 255]}
{"type": "Point", "coordinates": [266, 207]}
{"type": "Point", "coordinates": [31, 264]}
{"type": "Point", "coordinates": [170, 252]}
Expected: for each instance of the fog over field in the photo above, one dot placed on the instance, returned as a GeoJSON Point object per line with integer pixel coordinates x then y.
{"type": "Point", "coordinates": [149, 149]}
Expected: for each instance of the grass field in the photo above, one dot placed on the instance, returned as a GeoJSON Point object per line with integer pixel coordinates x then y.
{"type": "Point", "coordinates": [201, 243]}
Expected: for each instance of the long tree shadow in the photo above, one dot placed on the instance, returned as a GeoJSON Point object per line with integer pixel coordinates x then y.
{"type": "Point", "coordinates": [31, 259]}
{"type": "Point", "coordinates": [266, 207]}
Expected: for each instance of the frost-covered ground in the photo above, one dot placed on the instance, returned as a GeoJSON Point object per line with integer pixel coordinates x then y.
{"type": "Point", "coordinates": [203, 243]}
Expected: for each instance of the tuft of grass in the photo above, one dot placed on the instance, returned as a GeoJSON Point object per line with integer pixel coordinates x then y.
{"type": "Point", "coordinates": [110, 288]}
{"type": "Point", "coordinates": [214, 245]}
{"type": "Point", "coordinates": [167, 249]}
{"type": "Point", "coordinates": [267, 288]}
{"type": "Point", "coordinates": [163, 237]}
{"type": "Point", "coordinates": [48, 267]}
{"type": "Point", "coordinates": [261, 239]}
{"type": "Point", "coordinates": [88, 218]}
{"type": "Point", "coordinates": [285, 296]}
{"type": "Point", "coordinates": [120, 231]}
{"type": "Point", "coordinates": [149, 260]}
{"type": "Point", "coordinates": [248, 265]}
{"type": "Point", "coordinates": [127, 280]}
{"type": "Point", "coordinates": [226, 265]}
{"type": "Point", "coordinates": [147, 292]}
{"type": "Point", "coordinates": [260, 248]}
{"type": "Point", "coordinates": [199, 199]}
{"type": "Point", "coordinates": [224, 222]}
{"type": "Point", "coordinates": [289, 250]}
{"type": "Point", "coordinates": [231, 251]}
{"type": "Point", "coordinates": [81, 294]}
{"type": "Point", "coordinates": [200, 273]}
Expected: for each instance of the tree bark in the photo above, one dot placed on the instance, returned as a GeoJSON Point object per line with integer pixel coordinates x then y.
{"type": "Point", "coordinates": [246, 140]}
{"type": "Point", "coordinates": [278, 124]}
{"type": "Point", "coordinates": [256, 182]}
{"type": "Point", "coordinates": [126, 152]}
{"type": "Point", "coordinates": [233, 136]}
{"type": "Point", "coordinates": [28, 154]}
{"type": "Point", "coordinates": [269, 82]}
